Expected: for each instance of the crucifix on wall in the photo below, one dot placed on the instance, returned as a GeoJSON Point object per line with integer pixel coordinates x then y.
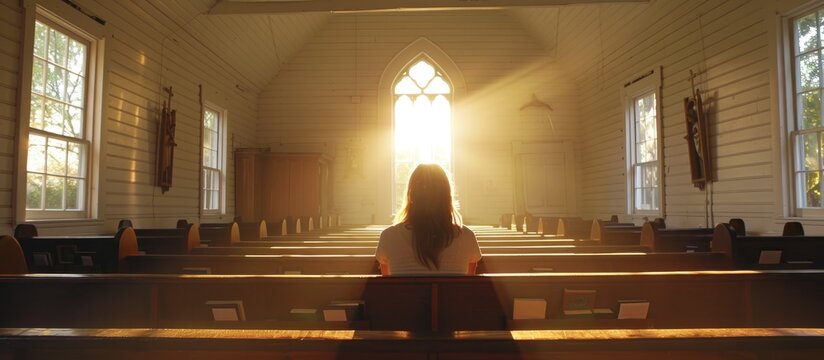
{"type": "Point", "coordinates": [166, 144]}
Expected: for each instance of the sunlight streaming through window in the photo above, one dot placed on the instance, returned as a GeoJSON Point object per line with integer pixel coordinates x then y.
{"type": "Point", "coordinates": [423, 123]}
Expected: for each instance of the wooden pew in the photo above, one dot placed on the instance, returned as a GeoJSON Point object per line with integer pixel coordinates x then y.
{"type": "Point", "coordinates": [676, 240]}
{"type": "Point", "coordinates": [168, 241]}
{"type": "Point", "coordinates": [547, 225]}
{"type": "Point", "coordinates": [366, 264]}
{"type": "Point", "coordinates": [252, 231]}
{"type": "Point", "coordinates": [252, 265]}
{"type": "Point", "coordinates": [370, 250]}
{"type": "Point", "coordinates": [608, 344]}
{"type": "Point", "coordinates": [695, 299]}
{"type": "Point", "coordinates": [220, 234]}
{"type": "Point", "coordinates": [78, 253]}
{"type": "Point", "coordinates": [316, 241]}
{"type": "Point", "coordinates": [573, 227]}
{"type": "Point", "coordinates": [12, 260]}
{"type": "Point", "coordinates": [621, 262]}
{"type": "Point", "coordinates": [530, 224]}
{"type": "Point", "coordinates": [506, 221]}
{"type": "Point", "coordinates": [615, 233]}
{"type": "Point", "coordinates": [769, 252]}
{"type": "Point", "coordinates": [793, 228]}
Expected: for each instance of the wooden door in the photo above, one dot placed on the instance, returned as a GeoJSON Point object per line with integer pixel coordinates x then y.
{"type": "Point", "coordinates": [546, 174]}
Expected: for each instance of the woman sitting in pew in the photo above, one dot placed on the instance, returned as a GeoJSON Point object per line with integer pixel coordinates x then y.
{"type": "Point", "coordinates": [428, 236]}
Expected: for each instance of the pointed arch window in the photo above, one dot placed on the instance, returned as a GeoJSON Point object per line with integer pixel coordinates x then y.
{"type": "Point", "coordinates": [422, 122]}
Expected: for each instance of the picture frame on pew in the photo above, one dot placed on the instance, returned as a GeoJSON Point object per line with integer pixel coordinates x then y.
{"type": "Point", "coordinates": [42, 259]}
{"type": "Point", "coordinates": [65, 254]}
{"type": "Point", "coordinates": [227, 310]}
{"type": "Point", "coordinates": [578, 303]}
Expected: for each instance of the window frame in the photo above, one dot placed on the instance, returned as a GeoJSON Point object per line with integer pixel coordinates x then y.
{"type": "Point", "coordinates": [397, 198]}
{"type": "Point", "coordinates": [222, 128]}
{"type": "Point", "coordinates": [791, 130]}
{"type": "Point", "coordinates": [77, 26]}
{"type": "Point", "coordinates": [640, 86]}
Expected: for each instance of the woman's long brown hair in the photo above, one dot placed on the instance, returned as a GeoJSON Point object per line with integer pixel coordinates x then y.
{"type": "Point", "coordinates": [428, 211]}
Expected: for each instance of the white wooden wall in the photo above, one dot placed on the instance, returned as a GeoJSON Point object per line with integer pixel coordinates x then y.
{"type": "Point", "coordinates": [322, 96]}
{"type": "Point", "coordinates": [727, 43]}
{"type": "Point", "coordinates": [156, 44]}
{"type": "Point", "coordinates": [326, 100]}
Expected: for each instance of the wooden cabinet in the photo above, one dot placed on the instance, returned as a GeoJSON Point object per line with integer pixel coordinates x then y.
{"type": "Point", "coordinates": [272, 186]}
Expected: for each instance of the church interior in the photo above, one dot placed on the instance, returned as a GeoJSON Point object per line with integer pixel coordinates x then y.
{"type": "Point", "coordinates": [210, 178]}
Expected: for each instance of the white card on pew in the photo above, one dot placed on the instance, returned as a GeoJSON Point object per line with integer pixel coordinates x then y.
{"type": "Point", "coordinates": [86, 260]}
{"type": "Point", "coordinates": [524, 308]}
{"type": "Point", "coordinates": [231, 310]}
{"type": "Point", "coordinates": [334, 315]}
{"type": "Point", "coordinates": [633, 309]}
{"type": "Point", "coordinates": [225, 314]}
{"type": "Point", "coordinates": [769, 257]}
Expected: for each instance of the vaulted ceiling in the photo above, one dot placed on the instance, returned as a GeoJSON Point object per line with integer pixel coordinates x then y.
{"type": "Point", "coordinates": [257, 37]}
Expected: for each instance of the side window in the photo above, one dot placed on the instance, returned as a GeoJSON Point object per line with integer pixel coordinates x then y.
{"type": "Point", "coordinates": [641, 99]}
{"type": "Point", "coordinates": [213, 181]}
{"type": "Point", "coordinates": [60, 111]}
{"type": "Point", "coordinates": [806, 129]}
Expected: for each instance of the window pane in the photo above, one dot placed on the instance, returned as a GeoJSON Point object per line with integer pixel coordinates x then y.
{"type": "Point", "coordinates": [73, 122]}
{"type": "Point", "coordinates": [40, 32]}
{"type": "Point", "coordinates": [37, 154]}
{"type": "Point", "coordinates": [651, 176]}
{"type": "Point", "coordinates": [74, 192]}
{"type": "Point", "coordinates": [809, 111]}
{"type": "Point", "coordinates": [637, 177]}
{"type": "Point", "coordinates": [55, 82]}
{"type": "Point", "coordinates": [214, 145]}
{"type": "Point", "coordinates": [407, 87]}
{"type": "Point", "coordinates": [647, 151]}
{"type": "Point", "coordinates": [74, 162]}
{"type": "Point", "coordinates": [77, 57]}
{"type": "Point", "coordinates": [437, 86]}
{"type": "Point", "coordinates": [810, 151]}
{"type": "Point", "coordinates": [58, 45]}
{"type": "Point", "coordinates": [821, 27]}
{"type": "Point", "coordinates": [56, 161]}
{"type": "Point", "coordinates": [422, 73]}
{"type": "Point", "coordinates": [54, 117]}
{"type": "Point", "coordinates": [38, 76]}
{"type": "Point", "coordinates": [207, 139]}
{"type": "Point", "coordinates": [37, 107]}
{"type": "Point", "coordinates": [75, 88]}
{"type": "Point", "coordinates": [812, 188]}
{"type": "Point", "coordinates": [54, 192]}
{"type": "Point", "coordinates": [34, 191]}
{"type": "Point", "coordinates": [806, 33]}
{"type": "Point", "coordinates": [639, 199]}
{"type": "Point", "coordinates": [809, 72]}
{"type": "Point", "coordinates": [209, 120]}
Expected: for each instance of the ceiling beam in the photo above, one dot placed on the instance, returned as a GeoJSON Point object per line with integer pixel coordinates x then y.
{"type": "Point", "coordinates": [294, 6]}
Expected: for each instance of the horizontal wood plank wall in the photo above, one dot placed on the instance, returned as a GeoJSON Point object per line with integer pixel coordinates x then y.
{"type": "Point", "coordinates": [326, 100]}
{"type": "Point", "coordinates": [726, 41]}
{"type": "Point", "coordinates": [156, 44]}
{"type": "Point", "coordinates": [11, 21]}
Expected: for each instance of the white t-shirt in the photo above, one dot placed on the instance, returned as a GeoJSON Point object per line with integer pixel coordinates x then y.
{"type": "Point", "coordinates": [396, 249]}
